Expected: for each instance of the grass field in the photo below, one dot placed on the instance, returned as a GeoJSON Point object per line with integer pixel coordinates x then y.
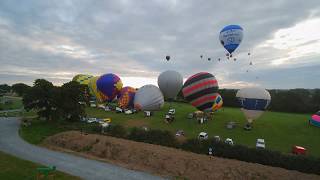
{"type": "Point", "coordinates": [14, 103]}
{"type": "Point", "coordinates": [280, 130]}
{"type": "Point", "coordinates": [13, 168]}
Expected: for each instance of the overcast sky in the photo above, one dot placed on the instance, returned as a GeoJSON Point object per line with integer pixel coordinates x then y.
{"type": "Point", "coordinates": [56, 40]}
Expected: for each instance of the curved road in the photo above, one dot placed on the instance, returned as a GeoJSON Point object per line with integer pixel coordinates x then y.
{"type": "Point", "coordinates": [11, 143]}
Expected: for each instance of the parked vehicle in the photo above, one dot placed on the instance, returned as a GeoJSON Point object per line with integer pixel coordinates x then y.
{"type": "Point", "coordinates": [260, 144]}
{"type": "Point", "coordinates": [172, 111]}
{"type": "Point", "coordinates": [119, 110]}
{"type": "Point", "coordinates": [203, 136]}
{"type": "Point", "coordinates": [229, 141]}
{"type": "Point", "coordinates": [128, 111]}
{"type": "Point", "coordinates": [180, 133]}
{"type": "Point", "coordinates": [299, 150]}
{"type": "Point", "coordinates": [216, 138]}
{"type": "Point", "coordinates": [91, 120]}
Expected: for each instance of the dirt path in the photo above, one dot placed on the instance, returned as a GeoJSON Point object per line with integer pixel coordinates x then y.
{"type": "Point", "coordinates": [164, 161]}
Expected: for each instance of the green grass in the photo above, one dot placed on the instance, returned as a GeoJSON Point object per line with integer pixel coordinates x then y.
{"type": "Point", "coordinates": [13, 168]}
{"type": "Point", "coordinates": [280, 130]}
{"type": "Point", "coordinates": [15, 103]}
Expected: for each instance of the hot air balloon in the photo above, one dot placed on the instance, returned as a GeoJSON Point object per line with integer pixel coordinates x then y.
{"type": "Point", "coordinates": [254, 101]}
{"type": "Point", "coordinates": [231, 37]}
{"type": "Point", "coordinates": [82, 78]}
{"type": "Point", "coordinates": [200, 90]}
{"type": "Point", "coordinates": [209, 59]}
{"type": "Point", "coordinates": [148, 98]}
{"type": "Point", "coordinates": [167, 58]}
{"type": "Point", "coordinates": [126, 97]}
{"type": "Point", "coordinates": [170, 83]}
{"type": "Point", "coordinates": [315, 119]}
{"type": "Point", "coordinates": [201, 56]}
{"type": "Point", "coordinates": [93, 89]}
{"type": "Point", "coordinates": [217, 103]}
{"type": "Point", "coordinates": [109, 85]}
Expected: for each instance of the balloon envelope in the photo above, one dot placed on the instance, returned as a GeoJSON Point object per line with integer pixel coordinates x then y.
{"type": "Point", "coordinates": [93, 89]}
{"type": "Point", "coordinates": [231, 37]}
{"type": "Point", "coordinates": [218, 102]}
{"type": "Point", "coordinates": [109, 85]}
{"type": "Point", "coordinates": [254, 101]}
{"type": "Point", "coordinates": [200, 90]}
{"type": "Point", "coordinates": [82, 78]}
{"type": "Point", "coordinates": [126, 97]}
{"type": "Point", "coordinates": [170, 83]}
{"type": "Point", "coordinates": [148, 98]}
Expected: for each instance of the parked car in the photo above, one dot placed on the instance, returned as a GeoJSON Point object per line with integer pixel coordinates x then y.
{"type": "Point", "coordinates": [203, 136]}
{"type": "Point", "coordinates": [299, 150]}
{"type": "Point", "coordinates": [172, 111]}
{"type": "Point", "coordinates": [91, 120]}
{"type": "Point", "coordinates": [119, 110]}
{"type": "Point", "coordinates": [260, 144]}
{"type": "Point", "coordinates": [229, 141]}
{"type": "Point", "coordinates": [180, 133]}
{"type": "Point", "coordinates": [93, 105]}
{"type": "Point", "coordinates": [147, 113]}
{"type": "Point", "coordinates": [128, 111]}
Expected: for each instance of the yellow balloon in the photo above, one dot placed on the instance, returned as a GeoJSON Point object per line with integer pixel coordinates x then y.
{"type": "Point", "coordinates": [82, 78]}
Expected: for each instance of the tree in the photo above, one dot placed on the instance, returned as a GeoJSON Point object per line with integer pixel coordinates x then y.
{"type": "Point", "coordinates": [71, 94]}
{"type": "Point", "coordinates": [4, 88]}
{"type": "Point", "coordinates": [41, 97]}
{"type": "Point", "coordinates": [20, 88]}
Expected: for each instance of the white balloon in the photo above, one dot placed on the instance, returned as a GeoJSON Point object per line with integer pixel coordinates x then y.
{"type": "Point", "coordinates": [148, 98]}
{"type": "Point", "coordinates": [170, 83]}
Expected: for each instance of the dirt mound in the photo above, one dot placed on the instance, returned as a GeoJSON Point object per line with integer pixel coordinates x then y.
{"type": "Point", "coordinates": [166, 161]}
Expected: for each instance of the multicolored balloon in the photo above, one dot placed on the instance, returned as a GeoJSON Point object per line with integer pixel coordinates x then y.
{"type": "Point", "coordinates": [82, 78]}
{"type": "Point", "coordinates": [126, 97]}
{"type": "Point", "coordinates": [218, 102]}
{"type": "Point", "coordinates": [170, 83]}
{"type": "Point", "coordinates": [200, 90]}
{"type": "Point", "coordinates": [254, 101]}
{"type": "Point", "coordinates": [148, 98]}
{"type": "Point", "coordinates": [315, 119]}
{"type": "Point", "coordinates": [109, 85]}
{"type": "Point", "coordinates": [94, 91]}
{"type": "Point", "coordinates": [231, 37]}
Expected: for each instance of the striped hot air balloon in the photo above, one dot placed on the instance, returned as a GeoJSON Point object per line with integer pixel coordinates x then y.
{"type": "Point", "coordinates": [218, 102]}
{"type": "Point", "coordinates": [201, 90]}
{"type": "Point", "coordinates": [126, 97]}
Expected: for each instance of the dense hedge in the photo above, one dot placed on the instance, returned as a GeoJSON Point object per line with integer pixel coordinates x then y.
{"type": "Point", "coordinates": [301, 163]}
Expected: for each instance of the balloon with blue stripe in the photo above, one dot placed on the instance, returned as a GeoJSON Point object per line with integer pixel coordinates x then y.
{"type": "Point", "coordinates": [254, 101]}
{"type": "Point", "coordinates": [231, 37]}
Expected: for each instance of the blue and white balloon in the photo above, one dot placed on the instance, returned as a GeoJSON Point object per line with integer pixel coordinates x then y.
{"type": "Point", "coordinates": [231, 37]}
{"type": "Point", "coordinates": [254, 101]}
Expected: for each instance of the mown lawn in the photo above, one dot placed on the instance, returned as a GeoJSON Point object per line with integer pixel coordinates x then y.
{"type": "Point", "coordinates": [14, 103]}
{"type": "Point", "coordinates": [13, 168]}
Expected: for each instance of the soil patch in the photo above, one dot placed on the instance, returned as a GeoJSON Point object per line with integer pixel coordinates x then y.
{"type": "Point", "coordinates": [164, 161]}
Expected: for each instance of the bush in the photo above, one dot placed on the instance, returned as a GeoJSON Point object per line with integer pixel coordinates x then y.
{"type": "Point", "coordinates": [165, 138]}
{"type": "Point", "coordinates": [117, 131]}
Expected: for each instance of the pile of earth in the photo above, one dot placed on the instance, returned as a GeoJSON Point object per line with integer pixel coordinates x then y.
{"type": "Point", "coordinates": [164, 161]}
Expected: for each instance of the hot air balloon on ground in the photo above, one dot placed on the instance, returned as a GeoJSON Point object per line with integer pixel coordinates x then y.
{"type": "Point", "coordinates": [201, 91]}
{"type": "Point", "coordinates": [170, 83]}
{"type": "Point", "coordinates": [315, 119]}
{"type": "Point", "coordinates": [218, 102]}
{"type": "Point", "coordinates": [93, 89]}
{"type": "Point", "coordinates": [82, 78]}
{"type": "Point", "coordinates": [109, 85]}
{"type": "Point", "coordinates": [126, 97]}
{"type": "Point", "coordinates": [148, 98]}
{"type": "Point", "coordinates": [254, 101]}
{"type": "Point", "coordinates": [231, 37]}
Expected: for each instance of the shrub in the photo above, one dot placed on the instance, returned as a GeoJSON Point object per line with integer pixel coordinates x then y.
{"type": "Point", "coordinates": [117, 131]}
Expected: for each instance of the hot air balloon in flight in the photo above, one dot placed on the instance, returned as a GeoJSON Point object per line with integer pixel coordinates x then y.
{"type": "Point", "coordinates": [201, 90]}
{"type": "Point", "coordinates": [231, 37]}
{"type": "Point", "coordinates": [254, 101]}
{"type": "Point", "coordinates": [218, 102]}
{"type": "Point", "coordinates": [170, 83]}
{"type": "Point", "coordinates": [167, 58]}
{"type": "Point", "coordinates": [148, 98]}
{"type": "Point", "coordinates": [82, 78]}
{"type": "Point", "coordinates": [93, 89]}
{"type": "Point", "coordinates": [109, 85]}
{"type": "Point", "coordinates": [126, 97]}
